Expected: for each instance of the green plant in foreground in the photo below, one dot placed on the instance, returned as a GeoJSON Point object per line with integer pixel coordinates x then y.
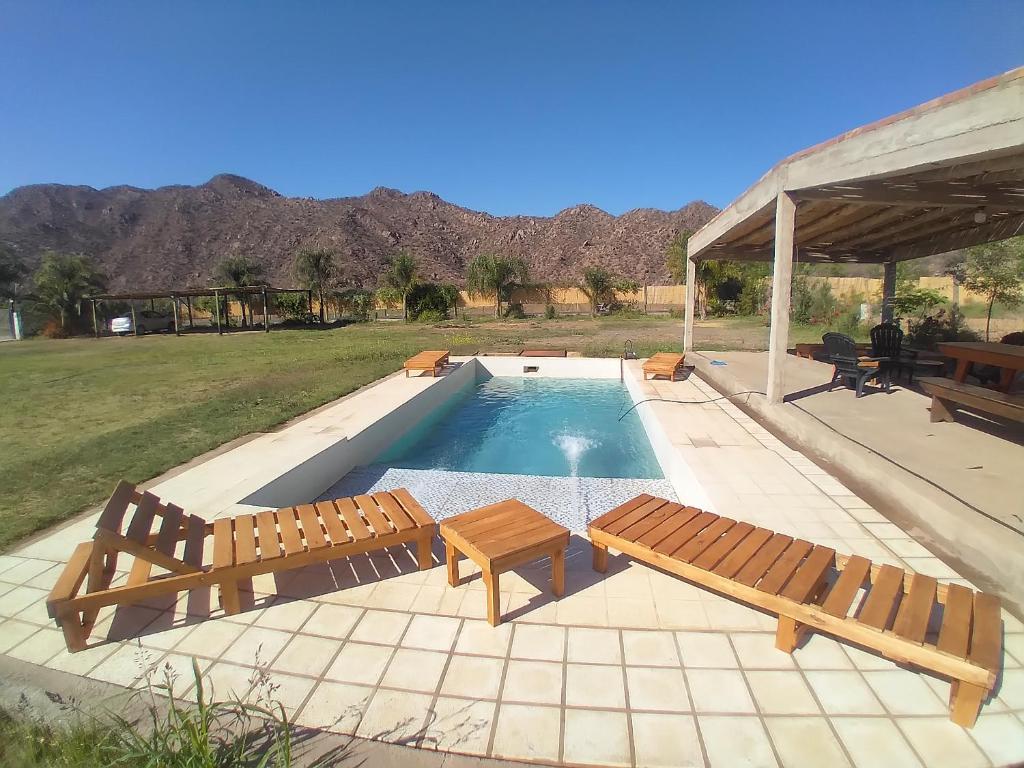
{"type": "Point", "coordinates": [203, 733]}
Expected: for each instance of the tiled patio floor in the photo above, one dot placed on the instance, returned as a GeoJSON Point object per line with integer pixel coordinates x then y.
{"type": "Point", "coordinates": [635, 668]}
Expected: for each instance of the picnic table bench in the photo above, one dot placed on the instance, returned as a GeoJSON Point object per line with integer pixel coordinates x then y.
{"type": "Point", "coordinates": [664, 364]}
{"type": "Point", "coordinates": [947, 394]}
{"type": "Point", "coordinates": [432, 360]}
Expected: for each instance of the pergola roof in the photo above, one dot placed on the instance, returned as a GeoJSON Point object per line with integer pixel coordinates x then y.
{"type": "Point", "coordinates": [248, 290]}
{"type": "Point", "coordinates": [944, 175]}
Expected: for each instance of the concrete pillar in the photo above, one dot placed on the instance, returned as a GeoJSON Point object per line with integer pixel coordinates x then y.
{"type": "Point", "coordinates": [888, 290]}
{"type": "Point", "coordinates": [782, 285]}
{"type": "Point", "coordinates": [691, 295]}
{"type": "Point", "coordinates": [95, 320]}
{"type": "Point", "coordinates": [216, 304]}
{"type": "Point", "coordinates": [177, 311]}
{"type": "Point", "coordinates": [266, 312]}
{"type": "Point", "coordinates": [135, 322]}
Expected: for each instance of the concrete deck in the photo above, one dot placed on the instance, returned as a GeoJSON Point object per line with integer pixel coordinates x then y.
{"type": "Point", "coordinates": [957, 486]}
{"type": "Point", "coordinates": [634, 668]}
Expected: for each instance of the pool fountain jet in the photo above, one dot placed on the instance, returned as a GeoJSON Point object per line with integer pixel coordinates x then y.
{"type": "Point", "coordinates": [573, 447]}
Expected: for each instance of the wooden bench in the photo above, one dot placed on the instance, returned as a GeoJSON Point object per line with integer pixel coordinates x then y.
{"type": "Point", "coordinates": [243, 546]}
{"type": "Point", "coordinates": [810, 587]}
{"type": "Point", "coordinates": [500, 537]}
{"type": "Point", "coordinates": [664, 364]}
{"type": "Point", "coordinates": [947, 394]}
{"type": "Point", "coordinates": [433, 360]}
{"type": "Point", "coordinates": [813, 351]}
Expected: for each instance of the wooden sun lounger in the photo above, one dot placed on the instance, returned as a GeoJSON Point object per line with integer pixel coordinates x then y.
{"type": "Point", "coordinates": [812, 588]}
{"type": "Point", "coordinates": [664, 364]}
{"type": "Point", "coordinates": [432, 360]}
{"type": "Point", "coordinates": [243, 546]}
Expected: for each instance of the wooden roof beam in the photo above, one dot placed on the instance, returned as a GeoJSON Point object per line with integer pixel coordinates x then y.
{"type": "Point", "coordinates": [921, 195]}
{"type": "Point", "coordinates": [995, 229]}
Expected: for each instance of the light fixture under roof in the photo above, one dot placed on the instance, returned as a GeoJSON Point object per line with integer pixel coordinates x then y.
{"type": "Point", "coordinates": [980, 217]}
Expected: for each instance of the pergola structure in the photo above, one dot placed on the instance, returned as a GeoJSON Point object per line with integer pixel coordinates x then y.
{"type": "Point", "coordinates": [186, 295]}
{"type": "Point", "coordinates": [945, 175]}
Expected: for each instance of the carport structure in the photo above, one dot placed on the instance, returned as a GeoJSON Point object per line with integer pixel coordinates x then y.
{"type": "Point", "coordinates": [947, 174]}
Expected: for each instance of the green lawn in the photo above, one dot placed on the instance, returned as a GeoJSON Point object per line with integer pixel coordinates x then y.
{"type": "Point", "coordinates": [78, 415]}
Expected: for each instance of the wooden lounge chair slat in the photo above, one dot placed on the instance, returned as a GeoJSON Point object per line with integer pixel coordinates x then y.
{"type": "Point", "coordinates": [223, 543]}
{"type": "Point", "coordinates": [652, 521]}
{"type": "Point", "coordinates": [671, 543]}
{"type": "Point", "coordinates": [368, 508]}
{"type": "Point", "coordinates": [336, 529]}
{"type": "Point", "coordinates": [140, 572]}
{"type": "Point", "coordinates": [113, 513]}
{"type": "Point", "coordinates": [195, 538]}
{"type": "Point", "coordinates": [503, 515]}
{"type": "Point", "coordinates": [765, 558]}
{"type": "Point", "coordinates": [780, 573]}
{"type": "Point", "coordinates": [634, 515]}
{"type": "Point", "coordinates": [807, 580]}
{"type": "Point", "coordinates": [915, 609]}
{"type": "Point", "coordinates": [270, 545]}
{"type": "Point", "coordinates": [290, 538]}
{"type": "Point", "coordinates": [955, 633]}
{"type": "Point", "coordinates": [311, 530]}
{"type": "Point", "coordinates": [886, 587]}
{"type": "Point", "coordinates": [717, 552]}
{"type": "Point", "coordinates": [608, 517]}
{"type": "Point", "coordinates": [71, 578]}
{"type": "Point", "coordinates": [743, 553]}
{"type": "Point", "coordinates": [788, 577]}
{"type": "Point", "coordinates": [245, 540]}
{"type": "Point", "coordinates": [412, 507]}
{"type": "Point", "coordinates": [393, 511]}
{"type": "Point", "coordinates": [667, 527]}
{"type": "Point", "coordinates": [845, 590]}
{"type": "Point", "coordinates": [356, 527]}
{"type": "Point", "coordinates": [170, 530]}
{"type": "Point", "coordinates": [986, 634]}
{"type": "Point", "coordinates": [691, 549]}
{"type": "Point", "coordinates": [142, 521]}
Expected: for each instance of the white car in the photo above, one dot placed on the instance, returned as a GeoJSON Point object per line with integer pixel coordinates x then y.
{"type": "Point", "coordinates": [150, 321]}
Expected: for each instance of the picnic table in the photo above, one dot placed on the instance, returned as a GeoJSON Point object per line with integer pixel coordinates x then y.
{"type": "Point", "coordinates": [1008, 357]}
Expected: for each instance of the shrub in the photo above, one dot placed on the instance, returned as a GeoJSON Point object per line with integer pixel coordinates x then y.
{"type": "Point", "coordinates": [514, 310]}
{"type": "Point", "coordinates": [927, 331]}
{"type": "Point", "coordinates": [430, 297]}
{"type": "Point", "coordinates": [549, 312]}
{"type": "Point", "coordinates": [291, 306]}
{"type": "Point", "coordinates": [430, 316]}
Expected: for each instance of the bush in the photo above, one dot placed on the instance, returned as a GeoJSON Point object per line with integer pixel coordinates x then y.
{"type": "Point", "coordinates": [514, 311]}
{"type": "Point", "coordinates": [290, 306]}
{"type": "Point", "coordinates": [430, 298]}
{"type": "Point", "coordinates": [813, 302]}
{"type": "Point", "coordinates": [549, 312]}
{"type": "Point", "coordinates": [927, 331]}
{"type": "Point", "coordinates": [430, 316]}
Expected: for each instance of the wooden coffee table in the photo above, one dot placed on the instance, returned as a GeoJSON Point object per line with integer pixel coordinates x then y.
{"type": "Point", "coordinates": [500, 537]}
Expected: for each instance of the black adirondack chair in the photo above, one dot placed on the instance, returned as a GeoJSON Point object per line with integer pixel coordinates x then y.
{"type": "Point", "coordinates": [887, 342]}
{"type": "Point", "coordinates": [841, 351]}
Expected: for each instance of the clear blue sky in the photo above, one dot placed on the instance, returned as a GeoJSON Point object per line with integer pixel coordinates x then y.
{"type": "Point", "coordinates": [503, 107]}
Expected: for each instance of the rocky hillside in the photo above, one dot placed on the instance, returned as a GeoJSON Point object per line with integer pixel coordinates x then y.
{"type": "Point", "coordinates": [174, 236]}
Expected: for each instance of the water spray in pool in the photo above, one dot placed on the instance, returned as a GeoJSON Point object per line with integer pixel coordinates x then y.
{"type": "Point", "coordinates": [573, 447]}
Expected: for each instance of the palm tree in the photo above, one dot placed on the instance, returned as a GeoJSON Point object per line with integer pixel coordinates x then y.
{"type": "Point", "coordinates": [315, 270]}
{"type": "Point", "coordinates": [62, 280]}
{"type": "Point", "coordinates": [490, 275]}
{"type": "Point", "coordinates": [598, 285]}
{"type": "Point", "coordinates": [11, 272]}
{"type": "Point", "coordinates": [240, 272]}
{"type": "Point", "coordinates": [401, 276]}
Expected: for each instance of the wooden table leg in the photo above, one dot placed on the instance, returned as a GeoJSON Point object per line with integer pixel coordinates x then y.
{"type": "Point", "coordinates": [1006, 377]}
{"type": "Point", "coordinates": [230, 600]}
{"type": "Point", "coordinates": [451, 558]}
{"type": "Point", "coordinates": [600, 557]}
{"type": "Point", "coordinates": [558, 572]}
{"type": "Point", "coordinates": [493, 597]}
{"type": "Point", "coordinates": [962, 366]}
{"type": "Point", "coordinates": [965, 701]}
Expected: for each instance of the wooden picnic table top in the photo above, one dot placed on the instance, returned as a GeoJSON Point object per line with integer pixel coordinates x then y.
{"type": "Point", "coordinates": [1012, 354]}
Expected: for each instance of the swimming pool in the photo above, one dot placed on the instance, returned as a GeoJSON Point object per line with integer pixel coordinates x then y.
{"type": "Point", "coordinates": [523, 426]}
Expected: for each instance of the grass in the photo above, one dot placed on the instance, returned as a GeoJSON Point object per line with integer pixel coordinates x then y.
{"type": "Point", "coordinates": [80, 414]}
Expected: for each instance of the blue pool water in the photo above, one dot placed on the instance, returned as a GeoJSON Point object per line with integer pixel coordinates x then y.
{"type": "Point", "coordinates": [553, 427]}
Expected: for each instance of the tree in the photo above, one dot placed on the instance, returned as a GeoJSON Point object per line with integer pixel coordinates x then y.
{"type": "Point", "coordinates": [11, 273]}
{"type": "Point", "coordinates": [401, 276]}
{"type": "Point", "coordinates": [599, 287]}
{"type": "Point", "coordinates": [315, 269]}
{"type": "Point", "coordinates": [497, 276]}
{"type": "Point", "coordinates": [675, 256]}
{"type": "Point", "coordinates": [995, 270]}
{"type": "Point", "coordinates": [240, 272]}
{"type": "Point", "coordinates": [61, 282]}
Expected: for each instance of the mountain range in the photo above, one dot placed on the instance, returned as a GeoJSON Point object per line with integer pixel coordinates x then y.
{"type": "Point", "coordinates": [174, 236]}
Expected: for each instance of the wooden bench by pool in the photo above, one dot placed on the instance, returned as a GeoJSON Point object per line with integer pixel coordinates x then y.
{"type": "Point", "coordinates": [947, 394]}
{"type": "Point", "coordinates": [810, 587]}
{"type": "Point", "coordinates": [664, 364]}
{"type": "Point", "coordinates": [243, 546]}
{"type": "Point", "coordinates": [433, 360]}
